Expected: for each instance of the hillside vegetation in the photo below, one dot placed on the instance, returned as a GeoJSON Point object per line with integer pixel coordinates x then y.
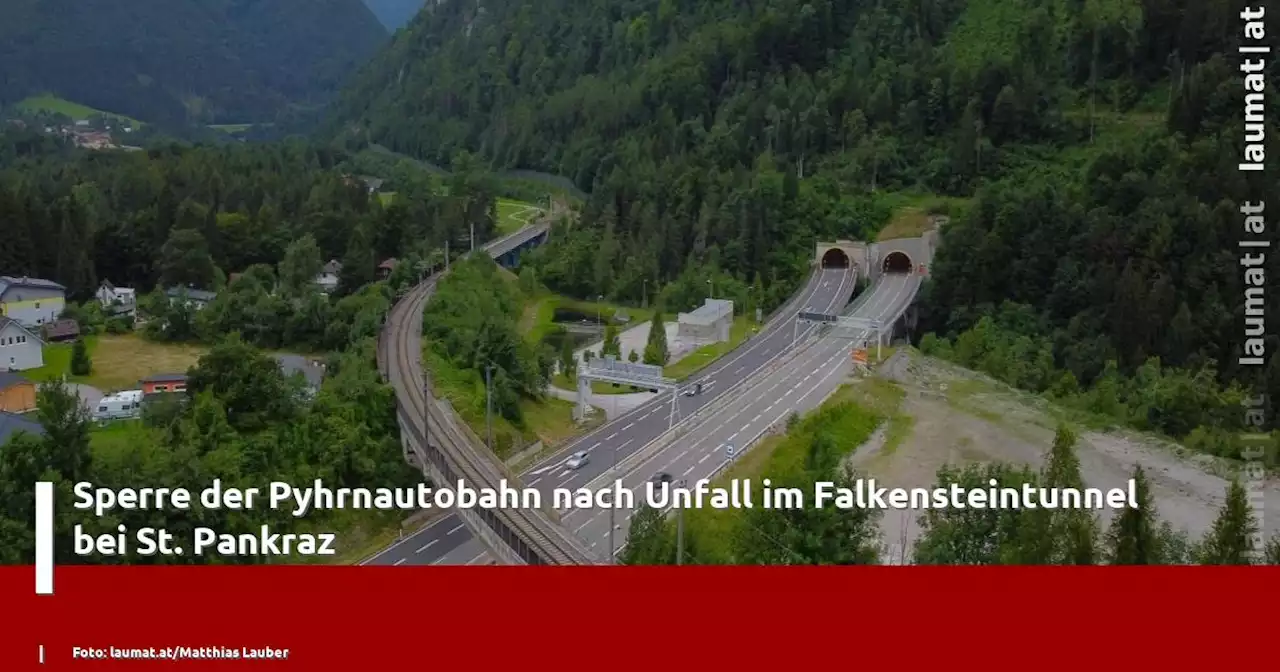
{"type": "Point", "coordinates": [394, 13]}
{"type": "Point", "coordinates": [184, 61]}
{"type": "Point", "coordinates": [1098, 141]}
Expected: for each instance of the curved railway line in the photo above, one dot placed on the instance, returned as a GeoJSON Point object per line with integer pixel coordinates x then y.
{"type": "Point", "coordinates": [452, 450]}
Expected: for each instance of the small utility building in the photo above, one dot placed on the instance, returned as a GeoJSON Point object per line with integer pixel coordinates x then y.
{"type": "Point", "coordinates": [710, 323]}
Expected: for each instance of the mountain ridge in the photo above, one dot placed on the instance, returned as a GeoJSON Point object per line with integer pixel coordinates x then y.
{"type": "Point", "coordinates": [188, 61]}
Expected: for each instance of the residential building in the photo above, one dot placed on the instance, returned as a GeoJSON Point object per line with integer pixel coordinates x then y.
{"type": "Point", "coordinates": [385, 268]}
{"type": "Point", "coordinates": [31, 301]}
{"type": "Point", "coordinates": [117, 301]}
{"type": "Point", "coordinates": [17, 394]}
{"type": "Point", "coordinates": [327, 280]}
{"type": "Point", "coordinates": [20, 347]}
{"type": "Point", "coordinates": [164, 382]}
{"type": "Point", "coordinates": [311, 371]}
{"type": "Point", "coordinates": [196, 298]}
{"type": "Point", "coordinates": [11, 424]}
{"type": "Point", "coordinates": [61, 330]}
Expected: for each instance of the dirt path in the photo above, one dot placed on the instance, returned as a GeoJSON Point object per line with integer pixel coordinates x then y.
{"type": "Point", "coordinates": [962, 417]}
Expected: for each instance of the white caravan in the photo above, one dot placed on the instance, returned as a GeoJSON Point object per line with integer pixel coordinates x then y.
{"type": "Point", "coordinates": [127, 404]}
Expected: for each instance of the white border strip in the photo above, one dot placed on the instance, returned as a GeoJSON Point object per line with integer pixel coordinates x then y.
{"type": "Point", "coordinates": [44, 538]}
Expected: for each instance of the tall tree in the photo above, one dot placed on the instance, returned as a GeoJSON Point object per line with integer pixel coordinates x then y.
{"type": "Point", "coordinates": [655, 351]}
{"type": "Point", "coordinates": [185, 260]}
{"type": "Point", "coordinates": [1231, 540]}
{"type": "Point", "coordinates": [301, 264]}
{"type": "Point", "coordinates": [1134, 535]}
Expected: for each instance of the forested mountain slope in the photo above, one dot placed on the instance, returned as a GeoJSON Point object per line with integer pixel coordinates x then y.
{"type": "Point", "coordinates": [394, 13]}
{"type": "Point", "coordinates": [170, 61]}
{"type": "Point", "coordinates": [1099, 139]}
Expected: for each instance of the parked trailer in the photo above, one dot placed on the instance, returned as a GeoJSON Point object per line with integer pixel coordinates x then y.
{"type": "Point", "coordinates": [118, 406]}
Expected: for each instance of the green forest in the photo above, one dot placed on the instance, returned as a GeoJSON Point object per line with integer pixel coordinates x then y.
{"type": "Point", "coordinates": [185, 62]}
{"type": "Point", "coordinates": [253, 223]}
{"type": "Point", "coordinates": [194, 215]}
{"type": "Point", "coordinates": [1087, 151]}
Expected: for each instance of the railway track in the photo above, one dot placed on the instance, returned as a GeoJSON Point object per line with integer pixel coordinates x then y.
{"type": "Point", "coordinates": [452, 449]}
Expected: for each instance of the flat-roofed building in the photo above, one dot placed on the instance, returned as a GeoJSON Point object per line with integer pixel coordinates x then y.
{"type": "Point", "coordinates": [710, 323]}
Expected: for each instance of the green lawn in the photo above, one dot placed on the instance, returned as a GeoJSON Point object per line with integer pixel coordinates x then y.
{"type": "Point", "coordinates": [48, 102]}
{"type": "Point", "coordinates": [848, 418]}
{"type": "Point", "coordinates": [119, 361]}
{"type": "Point", "coordinates": [231, 128]}
{"type": "Point", "coordinates": [539, 314]}
{"type": "Point", "coordinates": [386, 197]}
{"type": "Point", "coordinates": [547, 420]}
{"type": "Point", "coordinates": [700, 358]}
{"type": "Point", "coordinates": [515, 215]}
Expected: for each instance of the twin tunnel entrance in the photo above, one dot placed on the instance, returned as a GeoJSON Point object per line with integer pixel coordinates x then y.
{"type": "Point", "coordinates": [835, 258]}
{"type": "Point", "coordinates": [894, 262]}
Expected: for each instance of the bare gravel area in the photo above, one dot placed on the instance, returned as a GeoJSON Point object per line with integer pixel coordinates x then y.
{"type": "Point", "coordinates": [964, 417]}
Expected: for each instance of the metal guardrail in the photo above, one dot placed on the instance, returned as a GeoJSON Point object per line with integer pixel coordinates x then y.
{"type": "Point", "coordinates": [455, 453]}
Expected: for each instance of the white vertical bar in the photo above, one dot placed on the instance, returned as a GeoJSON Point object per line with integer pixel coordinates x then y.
{"type": "Point", "coordinates": [44, 538]}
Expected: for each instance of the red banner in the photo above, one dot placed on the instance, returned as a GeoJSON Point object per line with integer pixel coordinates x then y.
{"type": "Point", "coordinates": [714, 618]}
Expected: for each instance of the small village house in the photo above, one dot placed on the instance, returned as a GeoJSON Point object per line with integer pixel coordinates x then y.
{"type": "Point", "coordinates": [20, 347]}
{"type": "Point", "coordinates": [385, 268]}
{"type": "Point", "coordinates": [31, 301]}
{"type": "Point", "coordinates": [164, 382]}
{"type": "Point", "coordinates": [17, 394]}
{"type": "Point", "coordinates": [12, 423]}
{"type": "Point", "coordinates": [327, 279]}
{"type": "Point", "coordinates": [62, 330]}
{"type": "Point", "coordinates": [311, 371]}
{"type": "Point", "coordinates": [117, 301]}
{"type": "Point", "coordinates": [196, 298]}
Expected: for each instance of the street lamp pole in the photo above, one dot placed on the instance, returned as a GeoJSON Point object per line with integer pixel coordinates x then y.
{"type": "Point", "coordinates": [613, 466]}
{"type": "Point", "coordinates": [600, 324]}
{"type": "Point", "coordinates": [488, 402]}
{"type": "Point", "coordinates": [711, 283]}
{"type": "Point", "coordinates": [680, 530]}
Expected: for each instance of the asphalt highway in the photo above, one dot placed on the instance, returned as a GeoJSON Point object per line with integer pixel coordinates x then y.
{"type": "Point", "coordinates": [799, 384]}
{"type": "Point", "coordinates": [828, 291]}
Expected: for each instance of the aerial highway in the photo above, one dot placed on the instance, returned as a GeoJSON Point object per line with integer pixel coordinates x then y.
{"type": "Point", "coordinates": [800, 384]}
{"type": "Point", "coordinates": [827, 291]}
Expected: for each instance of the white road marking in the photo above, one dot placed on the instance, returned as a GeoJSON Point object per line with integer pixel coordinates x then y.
{"type": "Point", "coordinates": [459, 527]}
{"type": "Point", "coordinates": [629, 426]}
{"type": "Point", "coordinates": [704, 458]}
{"type": "Point", "coordinates": [429, 544]}
{"type": "Point", "coordinates": [686, 471]}
{"type": "Point", "coordinates": [399, 562]}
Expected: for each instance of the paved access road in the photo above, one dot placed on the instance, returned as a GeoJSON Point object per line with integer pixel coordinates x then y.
{"type": "Point", "coordinates": [799, 384]}
{"type": "Point", "coordinates": [828, 291]}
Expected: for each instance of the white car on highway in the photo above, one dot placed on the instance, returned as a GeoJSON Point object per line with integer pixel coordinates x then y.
{"type": "Point", "coordinates": [577, 460]}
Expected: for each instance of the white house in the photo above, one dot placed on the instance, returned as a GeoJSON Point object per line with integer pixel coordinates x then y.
{"type": "Point", "coordinates": [31, 301]}
{"type": "Point", "coordinates": [327, 280]}
{"type": "Point", "coordinates": [117, 301]}
{"type": "Point", "coordinates": [196, 298]}
{"type": "Point", "coordinates": [20, 347]}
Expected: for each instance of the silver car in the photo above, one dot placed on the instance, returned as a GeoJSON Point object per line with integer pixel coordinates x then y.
{"type": "Point", "coordinates": [577, 460]}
